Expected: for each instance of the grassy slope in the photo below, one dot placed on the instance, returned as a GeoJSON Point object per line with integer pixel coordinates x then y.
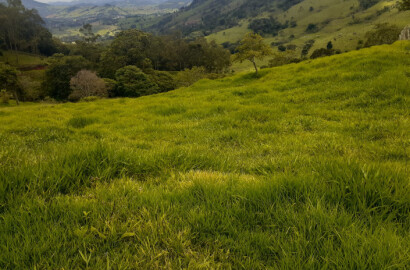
{"type": "Point", "coordinates": [340, 31]}
{"type": "Point", "coordinates": [304, 167]}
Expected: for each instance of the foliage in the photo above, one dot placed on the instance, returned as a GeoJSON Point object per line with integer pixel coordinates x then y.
{"type": "Point", "coordinates": [132, 82]}
{"type": "Point", "coordinates": [4, 96]}
{"type": "Point", "coordinates": [190, 76]}
{"type": "Point", "coordinates": [306, 168]}
{"type": "Point", "coordinates": [252, 48]}
{"type": "Point", "coordinates": [312, 28]}
{"type": "Point", "coordinates": [382, 34]}
{"type": "Point", "coordinates": [365, 4]}
{"type": "Point", "coordinates": [323, 52]}
{"type": "Point", "coordinates": [134, 47]}
{"type": "Point", "coordinates": [283, 58]}
{"type": "Point", "coordinates": [163, 80]}
{"type": "Point", "coordinates": [266, 26]}
{"type": "Point", "coordinates": [306, 48]}
{"type": "Point", "coordinates": [86, 84]}
{"type": "Point", "coordinates": [59, 73]}
{"type": "Point", "coordinates": [110, 86]}
{"type": "Point", "coordinates": [404, 5]}
{"type": "Point", "coordinates": [9, 80]}
{"type": "Point", "coordinates": [23, 29]}
{"type": "Point", "coordinates": [31, 89]}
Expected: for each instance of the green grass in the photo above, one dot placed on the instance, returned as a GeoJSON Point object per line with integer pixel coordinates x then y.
{"type": "Point", "coordinates": [21, 59]}
{"type": "Point", "coordinates": [305, 167]}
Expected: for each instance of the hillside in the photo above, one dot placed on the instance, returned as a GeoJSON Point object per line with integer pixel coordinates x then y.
{"type": "Point", "coordinates": [344, 22]}
{"type": "Point", "coordinates": [303, 167]}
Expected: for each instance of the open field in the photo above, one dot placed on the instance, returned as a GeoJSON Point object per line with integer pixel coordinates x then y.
{"type": "Point", "coordinates": [306, 166]}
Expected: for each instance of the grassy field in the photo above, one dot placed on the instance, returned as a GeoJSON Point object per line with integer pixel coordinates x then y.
{"type": "Point", "coordinates": [305, 167]}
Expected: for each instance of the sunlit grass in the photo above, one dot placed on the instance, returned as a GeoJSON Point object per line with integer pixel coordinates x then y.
{"type": "Point", "coordinates": [303, 167]}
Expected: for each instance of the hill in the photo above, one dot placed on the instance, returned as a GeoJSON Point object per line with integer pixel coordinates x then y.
{"type": "Point", "coordinates": [303, 167]}
{"type": "Point", "coordinates": [344, 22]}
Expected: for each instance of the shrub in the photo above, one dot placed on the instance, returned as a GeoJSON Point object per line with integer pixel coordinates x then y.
{"type": "Point", "coordinates": [110, 86]}
{"type": "Point", "coordinates": [132, 82]}
{"type": "Point", "coordinates": [382, 34]}
{"type": "Point", "coordinates": [312, 28]}
{"type": "Point", "coordinates": [283, 58]}
{"type": "Point", "coordinates": [86, 83]}
{"type": "Point", "coordinates": [4, 96]}
{"type": "Point", "coordinates": [163, 80]}
{"type": "Point", "coordinates": [266, 26]}
{"type": "Point", "coordinates": [306, 48]}
{"type": "Point", "coordinates": [190, 76]}
{"type": "Point", "coordinates": [31, 89]}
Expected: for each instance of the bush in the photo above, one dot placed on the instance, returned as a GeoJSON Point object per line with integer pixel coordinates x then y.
{"type": "Point", "coordinates": [190, 76]}
{"type": "Point", "coordinates": [324, 52]}
{"type": "Point", "coordinates": [31, 89]}
{"type": "Point", "coordinates": [312, 28]}
{"type": "Point", "coordinates": [4, 97]}
{"type": "Point", "coordinates": [110, 85]}
{"type": "Point", "coordinates": [132, 82]}
{"type": "Point", "coordinates": [266, 26]}
{"type": "Point", "coordinates": [163, 80]}
{"type": "Point", "coordinates": [382, 34]}
{"type": "Point", "coordinates": [85, 84]}
{"type": "Point", "coordinates": [283, 58]}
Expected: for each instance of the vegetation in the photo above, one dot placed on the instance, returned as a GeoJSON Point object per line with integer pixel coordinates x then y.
{"type": "Point", "coordinates": [382, 34]}
{"type": "Point", "coordinates": [22, 29]}
{"type": "Point", "coordinates": [303, 167]}
{"type": "Point", "coordinates": [252, 48]}
{"type": "Point", "coordinates": [404, 5]}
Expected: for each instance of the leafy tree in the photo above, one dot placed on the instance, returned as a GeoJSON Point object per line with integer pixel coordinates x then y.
{"type": "Point", "coordinates": [329, 45]}
{"type": "Point", "coordinates": [86, 84]}
{"type": "Point", "coordinates": [382, 34]}
{"type": "Point", "coordinates": [404, 5]}
{"type": "Point", "coordinates": [9, 80]}
{"type": "Point", "coordinates": [252, 48]}
{"type": "Point", "coordinates": [128, 48]}
{"type": "Point", "coordinates": [312, 28]}
{"type": "Point", "coordinates": [88, 35]}
{"type": "Point", "coordinates": [132, 82]}
{"type": "Point", "coordinates": [59, 73]}
{"type": "Point", "coordinates": [306, 48]}
{"type": "Point", "coordinates": [163, 80]}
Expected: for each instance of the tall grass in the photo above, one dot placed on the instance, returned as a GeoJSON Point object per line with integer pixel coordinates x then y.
{"type": "Point", "coordinates": [304, 167]}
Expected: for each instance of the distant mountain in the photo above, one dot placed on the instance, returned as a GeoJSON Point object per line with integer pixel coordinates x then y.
{"type": "Point", "coordinates": [30, 4]}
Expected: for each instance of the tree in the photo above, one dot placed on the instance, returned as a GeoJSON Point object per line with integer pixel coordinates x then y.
{"type": "Point", "coordinates": [85, 84]}
{"type": "Point", "coordinates": [23, 29]}
{"type": "Point", "coordinates": [252, 48]}
{"type": "Point", "coordinates": [9, 80]}
{"type": "Point", "coordinates": [382, 34]}
{"type": "Point", "coordinates": [132, 82]}
{"type": "Point", "coordinates": [88, 34]}
{"type": "Point", "coordinates": [59, 73]}
{"type": "Point", "coordinates": [404, 5]}
{"type": "Point", "coordinates": [329, 45]}
{"type": "Point", "coordinates": [306, 48]}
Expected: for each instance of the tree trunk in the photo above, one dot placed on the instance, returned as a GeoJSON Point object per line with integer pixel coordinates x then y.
{"type": "Point", "coordinates": [256, 68]}
{"type": "Point", "coordinates": [16, 97]}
